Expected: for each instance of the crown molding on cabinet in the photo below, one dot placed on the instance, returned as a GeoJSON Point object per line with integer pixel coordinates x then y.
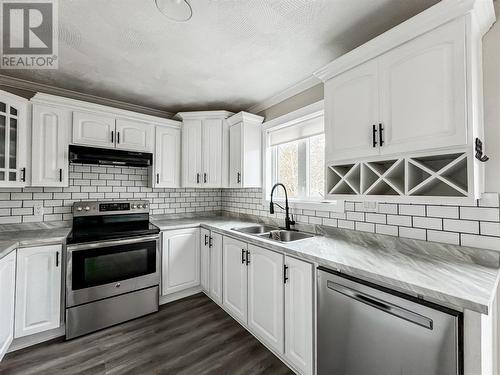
{"type": "Point", "coordinates": [22, 84]}
{"type": "Point", "coordinates": [105, 110]}
{"type": "Point", "coordinates": [245, 117]}
{"type": "Point", "coordinates": [299, 87]}
{"type": "Point", "coordinates": [202, 115]}
{"type": "Point", "coordinates": [437, 15]}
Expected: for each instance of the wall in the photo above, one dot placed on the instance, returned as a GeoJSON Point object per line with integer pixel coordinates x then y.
{"type": "Point", "coordinates": [99, 182]}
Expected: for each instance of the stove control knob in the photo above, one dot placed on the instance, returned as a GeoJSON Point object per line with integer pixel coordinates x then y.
{"type": "Point", "coordinates": [79, 208]}
{"type": "Point", "coordinates": [144, 206]}
{"type": "Point", "coordinates": [87, 208]}
{"type": "Point", "coordinates": [134, 206]}
{"type": "Point", "coordinates": [139, 206]}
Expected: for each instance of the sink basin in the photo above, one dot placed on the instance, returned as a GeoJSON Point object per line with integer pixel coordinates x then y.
{"type": "Point", "coordinates": [256, 229]}
{"type": "Point", "coordinates": [285, 235]}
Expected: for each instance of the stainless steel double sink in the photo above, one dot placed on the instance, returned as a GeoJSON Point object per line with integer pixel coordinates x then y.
{"type": "Point", "coordinates": [273, 233]}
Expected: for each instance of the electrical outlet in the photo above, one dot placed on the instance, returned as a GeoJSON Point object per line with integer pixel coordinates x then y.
{"type": "Point", "coordinates": [38, 209]}
{"type": "Point", "coordinates": [370, 206]}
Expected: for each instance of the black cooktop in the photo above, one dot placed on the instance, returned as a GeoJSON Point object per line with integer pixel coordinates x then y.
{"type": "Point", "coordinates": [104, 228]}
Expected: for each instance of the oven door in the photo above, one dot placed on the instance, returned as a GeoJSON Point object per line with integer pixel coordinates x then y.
{"type": "Point", "coordinates": [99, 270]}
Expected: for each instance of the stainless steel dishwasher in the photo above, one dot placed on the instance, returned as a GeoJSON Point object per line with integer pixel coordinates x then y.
{"type": "Point", "coordinates": [364, 329]}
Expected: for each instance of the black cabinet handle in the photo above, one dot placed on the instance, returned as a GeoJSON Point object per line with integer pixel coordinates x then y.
{"type": "Point", "coordinates": [112, 136]}
{"type": "Point", "coordinates": [238, 178]}
{"type": "Point", "coordinates": [210, 243]}
{"type": "Point", "coordinates": [285, 277]}
{"type": "Point", "coordinates": [157, 178]}
{"type": "Point", "coordinates": [206, 239]}
{"type": "Point", "coordinates": [380, 134]}
{"type": "Point", "coordinates": [242, 256]}
{"type": "Point", "coordinates": [197, 178]}
{"type": "Point", "coordinates": [23, 174]}
{"type": "Point", "coordinates": [247, 260]}
{"type": "Point", "coordinates": [60, 174]}
{"type": "Point", "coordinates": [374, 135]}
{"type": "Point", "coordinates": [205, 178]}
{"type": "Point", "coordinates": [57, 259]}
{"type": "Point", "coordinates": [117, 137]}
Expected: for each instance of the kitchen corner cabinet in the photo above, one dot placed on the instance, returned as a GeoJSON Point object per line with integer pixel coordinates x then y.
{"type": "Point", "coordinates": [204, 150]}
{"type": "Point", "coordinates": [245, 150]}
{"type": "Point", "coordinates": [7, 298]}
{"type": "Point", "coordinates": [50, 139]}
{"type": "Point", "coordinates": [234, 276]}
{"type": "Point", "coordinates": [14, 140]}
{"type": "Point", "coordinates": [265, 296]}
{"type": "Point", "coordinates": [167, 160]}
{"type": "Point", "coordinates": [180, 260]}
{"type": "Point", "coordinates": [211, 264]}
{"type": "Point", "coordinates": [299, 310]}
{"type": "Point", "coordinates": [38, 290]}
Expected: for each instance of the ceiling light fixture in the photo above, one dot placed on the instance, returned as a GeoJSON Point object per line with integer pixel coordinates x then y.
{"type": "Point", "coordinates": [175, 10]}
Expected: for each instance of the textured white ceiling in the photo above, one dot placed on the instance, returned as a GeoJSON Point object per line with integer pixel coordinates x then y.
{"type": "Point", "coordinates": [230, 55]}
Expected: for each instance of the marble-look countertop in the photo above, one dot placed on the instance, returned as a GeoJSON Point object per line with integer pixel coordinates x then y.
{"type": "Point", "coordinates": [453, 276]}
{"type": "Point", "coordinates": [27, 235]}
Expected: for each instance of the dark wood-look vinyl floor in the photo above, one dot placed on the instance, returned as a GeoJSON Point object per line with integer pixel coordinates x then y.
{"type": "Point", "coordinates": [188, 337]}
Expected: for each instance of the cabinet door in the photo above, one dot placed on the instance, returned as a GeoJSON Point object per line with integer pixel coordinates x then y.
{"type": "Point", "coordinates": [191, 153]}
{"type": "Point", "coordinates": [167, 157]}
{"type": "Point", "coordinates": [205, 260]}
{"type": "Point", "coordinates": [38, 290]}
{"type": "Point", "coordinates": [93, 130]}
{"type": "Point", "coordinates": [180, 260]}
{"type": "Point", "coordinates": [299, 315]}
{"type": "Point", "coordinates": [216, 267]}
{"type": "Point", "coordinates": [13, 140]}
{"type": "Point", "coordinates": [234, 278]}
{"type": "Point", "coordinates": [265, 296]}
{"type": "Point", "coordinates": [7, 296]}
{"type": "Point", "coordinates": [235, 152]}
{"type": "Point", "coordinates": [212, 153]}
{"type": "Point", "coordinates": [51, 129]}
{"type": "Point", "coordinates": [423, 91]}
{"type": "Point", "coordinates": [134, 135]}
{"type": "Point", "coordinates": [351, 110]}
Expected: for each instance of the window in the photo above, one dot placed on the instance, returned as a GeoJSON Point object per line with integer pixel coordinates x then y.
{"type": "Point", "coordinates": [296, 157]}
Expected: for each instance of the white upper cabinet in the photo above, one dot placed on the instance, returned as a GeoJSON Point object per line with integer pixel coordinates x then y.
{"type": "Point", "coordinates": [14, 136]}
{"type": "Point", "coordinates": [265, 296]}
{"type": "Point", "coordinates": [422, 90]}
{"type": "Point", "coordinates": [234, 278]}
{"type": "Point", "coordinates": [299, 302]}
{"type": "Point", "coordinates": [38, 290]}
{"type": "Point", "coordinates": [93, 129]}
{"type": "Point", "coordinates": [204, 149]}
{"type": "Point", "coordinates": [134, 135]}
{"type": "Point", "coordinates": [245, 150]}
{"type": "Point", "coordinates": [180, 260]}
{"type": "Point", "coordinates": [7, 298]}
{"type": "Point", "coordinates": [167, 160]}
{"type": "Point", "coordinates": [51, 137]}
{"type": "Point", "coordinates": [191, 153]}
{"type": "Point", "coordinates": [352, 112]}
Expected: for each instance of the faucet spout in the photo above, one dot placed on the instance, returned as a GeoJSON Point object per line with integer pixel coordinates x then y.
{"type": "Point", "coordinates": [288, 222]}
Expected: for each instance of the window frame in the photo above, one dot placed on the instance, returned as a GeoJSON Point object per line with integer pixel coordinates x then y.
{"type": "Point", "coordinates": [269, 163]}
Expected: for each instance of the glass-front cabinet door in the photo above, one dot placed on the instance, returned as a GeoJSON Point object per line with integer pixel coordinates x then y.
{"type": "Point", "coordinates": [13, 140]}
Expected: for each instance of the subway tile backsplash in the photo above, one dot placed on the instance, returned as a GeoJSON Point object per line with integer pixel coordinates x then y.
{"type": "Point", "coordinates": [477, 226]}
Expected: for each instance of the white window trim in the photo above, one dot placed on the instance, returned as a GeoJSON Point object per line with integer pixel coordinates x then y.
{"type": "Point", "coordinates": [302, 114]}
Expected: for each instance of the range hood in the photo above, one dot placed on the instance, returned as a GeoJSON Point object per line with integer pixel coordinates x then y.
{"type": "Point", "coordinates": [103, 156]}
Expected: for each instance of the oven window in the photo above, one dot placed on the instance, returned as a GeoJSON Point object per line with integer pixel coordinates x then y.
{"type": "Point", "coordinates": [111, 264]}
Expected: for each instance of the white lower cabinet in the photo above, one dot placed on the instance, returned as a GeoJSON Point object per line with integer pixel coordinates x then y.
{"type": "Point", "coordinates": [205, 260]}
{"type": "Point", "coordinates": [7, 298]}
{"type": "Point", "coordinates": [180, 260]}
{"type": "Point", "coordinates": [234, 276]}
{"type": "Point", "coordinates": [38, 290]}
{"type": "Point", "coordinates": [265, 296]}
{"type": "Point", "coordinates": [215, 274]}
{"type": "Point", "coordinates": [299, 310]}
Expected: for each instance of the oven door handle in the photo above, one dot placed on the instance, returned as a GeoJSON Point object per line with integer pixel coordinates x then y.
{"type": "Point", "coordinates": [97, 245]}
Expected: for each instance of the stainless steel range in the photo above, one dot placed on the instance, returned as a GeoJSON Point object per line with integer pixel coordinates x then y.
{"type": "Point", "coordinates": [112, 265]}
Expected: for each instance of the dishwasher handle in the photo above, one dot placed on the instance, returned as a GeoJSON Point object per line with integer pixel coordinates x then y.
{"type": "Point", "coordinates": [386, 307]}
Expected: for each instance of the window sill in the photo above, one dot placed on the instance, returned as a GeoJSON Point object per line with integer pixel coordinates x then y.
{"type": "Point", "coordinates": [329, 206]}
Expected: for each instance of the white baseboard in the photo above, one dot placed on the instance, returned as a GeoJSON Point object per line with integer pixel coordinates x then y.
{"type": "Point", "coordinates": [178, 295]}
{"type": "Point", "coordinates": [37, 338]}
